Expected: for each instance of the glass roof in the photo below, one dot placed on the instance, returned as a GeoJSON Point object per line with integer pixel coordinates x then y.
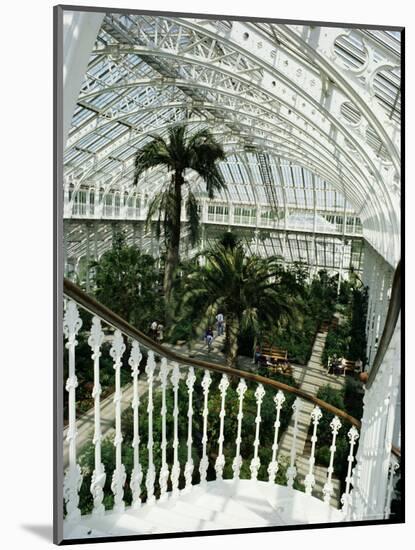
{"type": "Point", "coordinates": [309, 116]}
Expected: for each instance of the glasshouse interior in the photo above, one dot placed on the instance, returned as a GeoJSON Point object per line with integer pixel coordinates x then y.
{"type": "Point", "coordinates": [231, 255]}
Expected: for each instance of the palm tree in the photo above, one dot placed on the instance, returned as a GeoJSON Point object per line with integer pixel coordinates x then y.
{"type": "Point", "coordinates": [244, 288]}
{"type": "Point", "coordinates": [198, 152]}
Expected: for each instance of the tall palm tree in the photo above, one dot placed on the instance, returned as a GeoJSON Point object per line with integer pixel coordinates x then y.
{"type": "Point", "coordinates": [199, 152]}
{"type": "Point", "coordinates": [245, 288]}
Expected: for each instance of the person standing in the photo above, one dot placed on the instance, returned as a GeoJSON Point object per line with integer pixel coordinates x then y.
{"type": "Point", "coordinates": [160, 332]}
{"type": "Point", "coordinates": [219, 323]}
{"type": "Point", "coordinates": [153, 330]}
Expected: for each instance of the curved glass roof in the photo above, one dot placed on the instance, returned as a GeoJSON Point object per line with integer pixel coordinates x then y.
{"type": "Point", "coordinates": [309, 116]}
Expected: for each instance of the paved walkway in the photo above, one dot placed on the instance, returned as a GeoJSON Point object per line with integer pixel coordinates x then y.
{"type": "Point", "coordinates": [311, 378]}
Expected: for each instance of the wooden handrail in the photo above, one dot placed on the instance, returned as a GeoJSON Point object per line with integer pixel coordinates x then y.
{"type": "Point", "coordinates": [71, 290]}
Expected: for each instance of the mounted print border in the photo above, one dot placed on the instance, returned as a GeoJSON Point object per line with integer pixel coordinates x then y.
{"type": "Point", "coordinates": [228, 274]}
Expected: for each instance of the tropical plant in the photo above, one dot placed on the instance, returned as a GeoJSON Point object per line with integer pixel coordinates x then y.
{"type": "Point", "coordinates": [127, 282]}
{"type": "Point", "coordinates": [245, 288]}
{"type": "Point", "coordinates": [199, 152]}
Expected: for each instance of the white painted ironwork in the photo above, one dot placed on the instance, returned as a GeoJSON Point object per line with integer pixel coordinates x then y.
{"type": "Point", "coordinates": [279, 400]}
{"type": "Point", "coordinates": [151, 470]}
{"type": "Point", "coordinates": [256, 462]}
{"type": "Point", "coordinates": [189, 466]}
{"type": "Point", "coordinates": [137, 473]}
{"type": "Point", "coordinates": [175, 471]}
{"type": "Point", "coordinates": [346, 500]}
{"type": "Point", "coordinates": [292, 470]}
{"type": "Point", "coordinates": [220, 460]}
{"type": "Point", "coordinates": [204, 462]}
{"type": "Point", "coordinates": [310, 480]}
{"type": "Point", "coordinates": [119, 475]}
{"type": "Point", "coordinates": [73, 476]}
{"type": "Point", "coordinates": [98, 475]}
{"type": "Point", "coordinates": [393, 468]}
{"type": "Point", "coordinates": [164, 471]}
{"type": "Point", "coordinates": [237, 461]}
{"type": "Point", "coordinates": [328, 488]}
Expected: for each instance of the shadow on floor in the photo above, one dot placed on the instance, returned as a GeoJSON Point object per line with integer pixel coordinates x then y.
{"type": "Point", "coordinates": [44, 532]}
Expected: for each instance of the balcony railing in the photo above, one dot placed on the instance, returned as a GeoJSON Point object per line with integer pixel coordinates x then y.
{"type": "Point", "coordinates": [166, 372]}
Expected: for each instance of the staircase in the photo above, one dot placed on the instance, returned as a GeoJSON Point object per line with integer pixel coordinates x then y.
{"type": "Point", "coordinates": [219, 505]}
{"type": "Point", "coordinates": [171, 492]}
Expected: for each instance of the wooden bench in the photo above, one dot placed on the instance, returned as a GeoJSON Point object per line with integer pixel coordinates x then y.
{"type": "Point", "coordinates": [347, 366]}
{"type": "Point", "coordinates": [350, 366]}
{"type": "Point", "coordinates": [274, 352]}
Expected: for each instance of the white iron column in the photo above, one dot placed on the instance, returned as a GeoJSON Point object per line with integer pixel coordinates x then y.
{"type": "Point", "coordinates": [310, 481]}
{"type": "Point", "coordinates": [164, 471]}
{"type": "Point", "coordinates": [346, 500]}
{"type": "Point", "coordinates": [188, 470]}
{"type": "Point", "coordinates": [151, 471]}
{"type": "Point", "coordinates": [328, 488]}
{"type": "Point", "coordinates": [220, 461]}
{"type": "Point", "coordinates": [204, 462]}
{"type": "Point", "coordinates": [175, 471]}
{"type": "Point", "coordinates": [73, 476]}
{"type": "Point", "coordinates": [255, 462]}
{"type": "Point", "coordinates": [273, 465]}
{"type": "Point", "coordinates": [119, 475]}
{"type": "Point", "coordinates": [292, 470]}
{"type": "Point", "coordinates": [137, 473]}
{"type": "Point", "coordinates": [237, 461]}
{"type": "Point", "coordinates": [98, 477]}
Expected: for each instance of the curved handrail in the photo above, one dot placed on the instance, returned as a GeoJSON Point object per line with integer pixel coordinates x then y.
{"type": "Point", "coordinates": [390, 324]}
{"type": "Point", "coordinates": [71, 290]}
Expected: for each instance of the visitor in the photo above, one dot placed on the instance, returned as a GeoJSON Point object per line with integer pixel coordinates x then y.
{"type": "Point", "coordinates": [219, 323]}
{"type": "Point", "coordinates": [160, 332]}
{"type": "Point", "coordinates": [358, 365]}
{"type": "Point", "coordinates": [153, 330]}
{"type": "Point", "coordinates": [209, 338]}
{"type": "Point", "coordinates": [257, 355]}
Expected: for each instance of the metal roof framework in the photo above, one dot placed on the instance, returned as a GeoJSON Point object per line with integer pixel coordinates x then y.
{"type": "Point", "coordinates": [309, 116]}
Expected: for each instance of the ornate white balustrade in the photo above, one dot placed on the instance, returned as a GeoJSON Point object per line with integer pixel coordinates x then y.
{"type": "Point", "coordinates": [184, 402]}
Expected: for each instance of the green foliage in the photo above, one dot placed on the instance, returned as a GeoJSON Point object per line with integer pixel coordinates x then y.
{"type": "Point", "coordinates": [348, 339]}
{"type": "Point", "coordinates": [128, 282]}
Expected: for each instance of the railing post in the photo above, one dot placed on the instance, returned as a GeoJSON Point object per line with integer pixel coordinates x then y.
{"type": "Point", "coordinates": [73, 476]}
{"type": "Point", "coordinates": [237, 461]}
{"type": "Point", "coordinates": [220, 461]}
{"type": "Point", "coordinates": [279, 399]}
{"type": "Point", "coordinates": [188, 469]}
{"type": "Point", "coordinates": [292, 470]}
{"type": "Point", "coordinates": [393, 467]}
{"type": "Point", "coordinates": [119, 475]}
{"type": "Point", "coordinates": [164, 471]}
{"type": "Point", "coordinates": [151, 471]}
{"type": "Point", "coordinates": [255, 462]}
{"type": "Point", "coordinates": [346, 501]}
{"type": "Point", "coordinates": [328, 488]}
{"type": "Point", "coordinates": [204, 462]}
{"type": "Point", "coordinates": [175, 471]}
{"type": "Point", "coordinates": [137, 473]}
{"type": "Point", "coordinates": [98, 476]}
{"type": "Point", "coordinates": [309, 481]}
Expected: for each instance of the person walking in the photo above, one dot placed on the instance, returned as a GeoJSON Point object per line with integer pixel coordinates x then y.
{"type": "Point", "coordinates": [209, 338]}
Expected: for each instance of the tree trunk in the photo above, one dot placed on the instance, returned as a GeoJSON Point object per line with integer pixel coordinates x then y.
{"type": "Point", "coordinates": [232, 333]}
{"type": "Point", "coordinates": [172, 255]}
